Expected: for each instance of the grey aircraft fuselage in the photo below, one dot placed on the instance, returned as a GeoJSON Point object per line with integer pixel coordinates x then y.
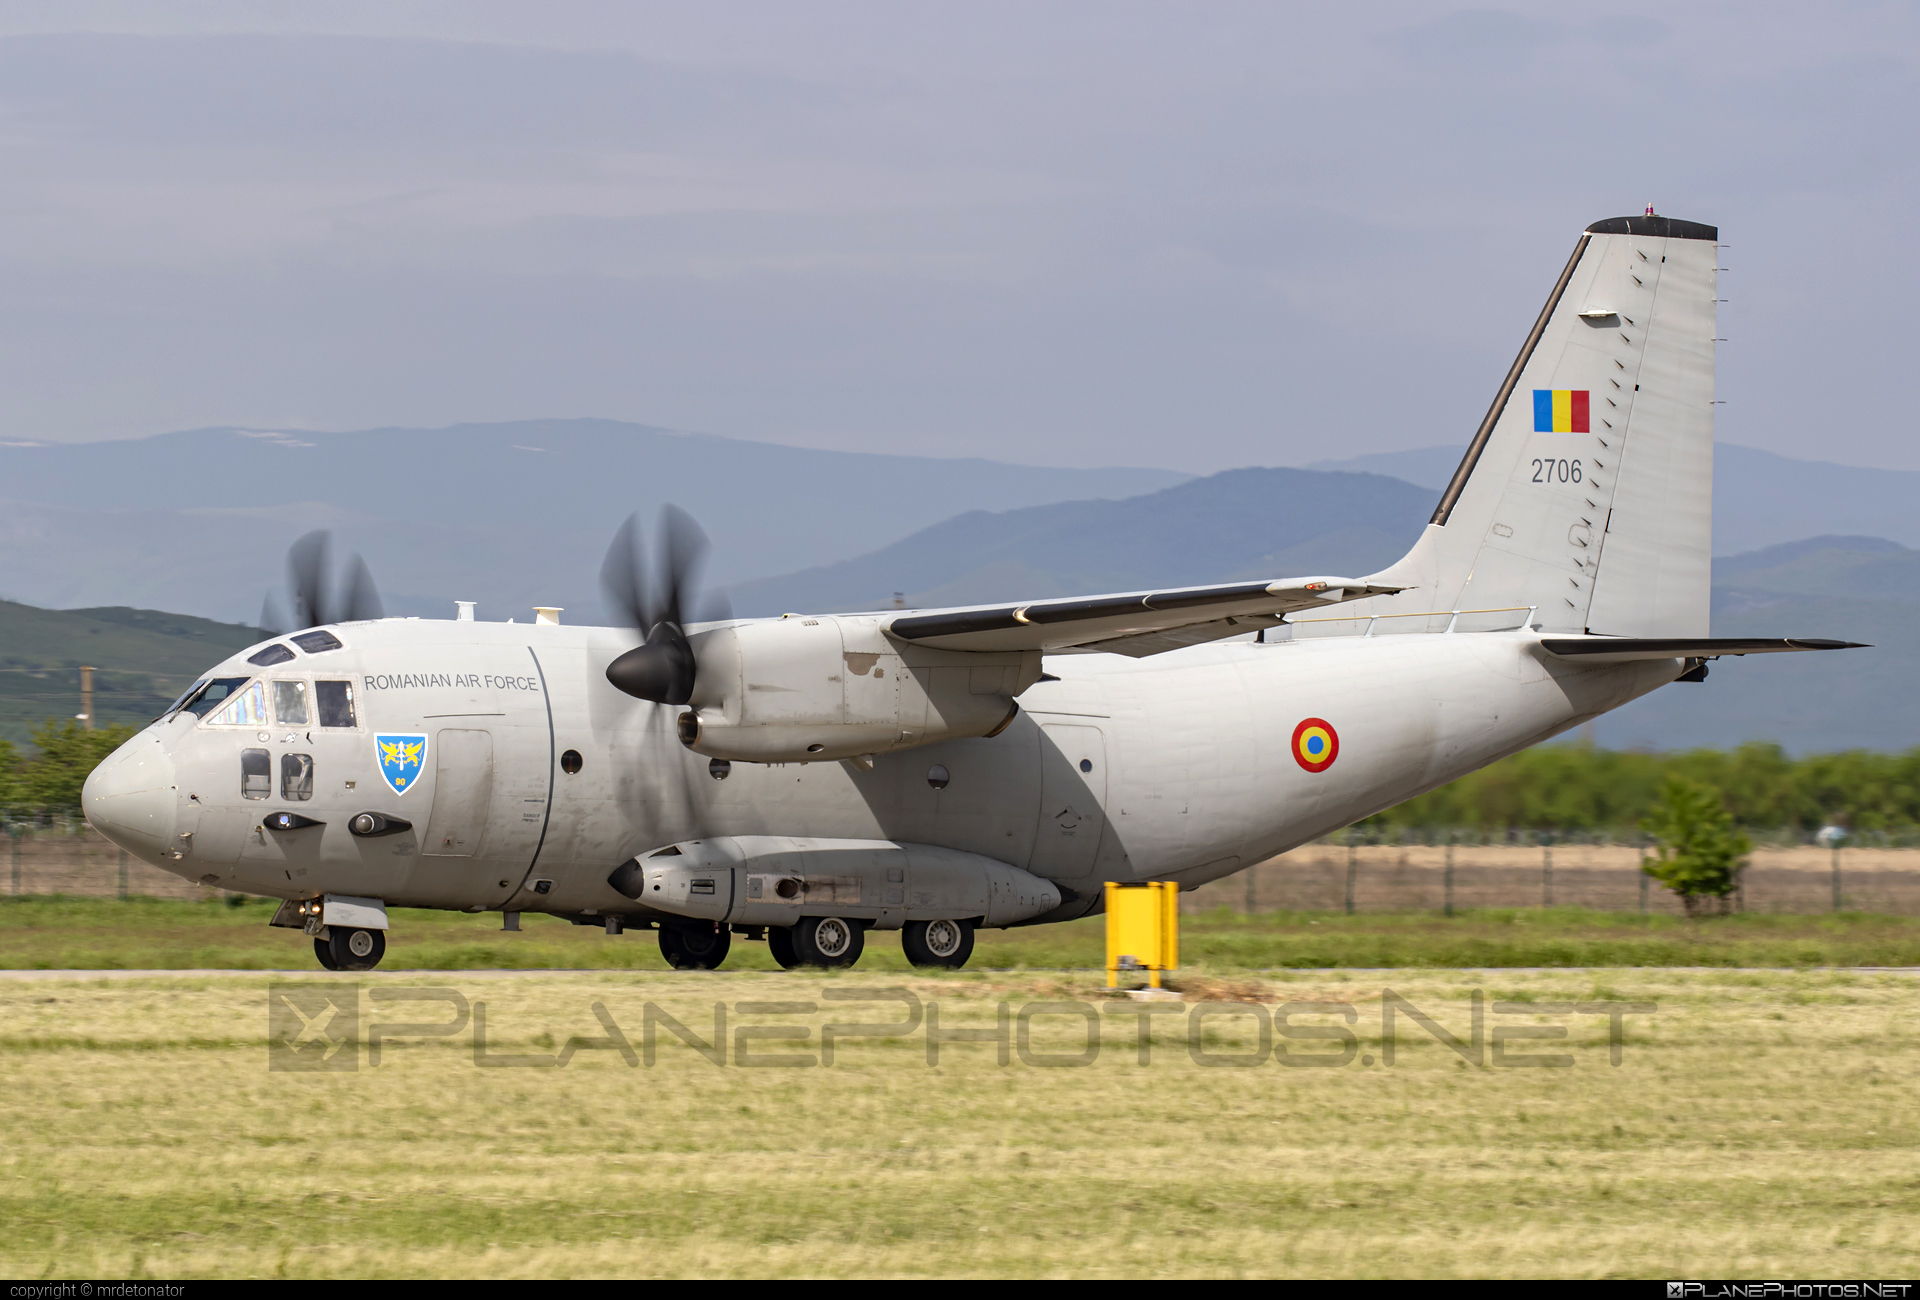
{"type": "Point", "coordinates": [1180, 766]}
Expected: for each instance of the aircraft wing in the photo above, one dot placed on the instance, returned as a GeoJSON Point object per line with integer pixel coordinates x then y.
{"type": "Point", "coordinates": [1624, 649]}
{"type": "Point", "coordinates": [1136, 623]}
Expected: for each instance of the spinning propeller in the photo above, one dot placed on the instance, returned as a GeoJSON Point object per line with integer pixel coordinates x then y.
{"type": "Point", "coordinates": [317, 598]}
{"type": "Point", "coordinates": [662, 669]}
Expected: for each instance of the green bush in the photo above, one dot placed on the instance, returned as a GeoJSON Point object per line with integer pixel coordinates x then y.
{"type": "Point", "coordinates": [52, 778]}
{"type": "Point", "coordinates": [1698, 855]}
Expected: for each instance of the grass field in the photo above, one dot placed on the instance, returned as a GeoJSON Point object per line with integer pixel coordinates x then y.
{"type": "Point", "coordinates": [1760, 1123]}
{"type": "Point", "coordinates": [147, 934]}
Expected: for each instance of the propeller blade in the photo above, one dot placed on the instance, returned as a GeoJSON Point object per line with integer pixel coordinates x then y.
{"type": "Point", "coordinates": [273, 618]}
{"type": "Point", "coordinates": [361, 597]}
{"type": "Point", "coordinates": [623, 577]}
{"type": "Point", "coordinates": [685, 546]}
{"type": "Point", "coordinates": [307, 577]}
{"type": "Point", "coordinates": [663, 670]}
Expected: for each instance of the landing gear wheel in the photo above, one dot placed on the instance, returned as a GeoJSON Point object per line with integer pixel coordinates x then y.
{"type": "Point", "coordinates": [780, 944]}
{"type": "Point", "coordinates": [354, 949]}
{"type": "Point", "coordinates": [691, 949]}
{"type": "Point", "coordinates": [828, 941]}
{"type": "Point", "coordinates": [324, 951]}
{"type": "Point", "coordinates": [945, 944]}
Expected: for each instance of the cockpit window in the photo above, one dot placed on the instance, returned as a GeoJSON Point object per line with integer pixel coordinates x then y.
{"type": "Point", "coordinates": [317, 641]}
{"type": "Point", "coordinates": [273, 654]}
{"type": "Point", "coordinates": [336, 703]}
{"type": "Point", "coordinates": [247, 708]}
{"type": "Point", "coordinates": [290, 703]}
{"type": "Point", "coordinates": [208, 696]}
{"type": "Point", "coordinates": [185, 695]}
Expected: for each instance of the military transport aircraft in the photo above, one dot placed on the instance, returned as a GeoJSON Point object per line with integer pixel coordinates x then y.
{"type": "Point", "coordinates": [804, 779]}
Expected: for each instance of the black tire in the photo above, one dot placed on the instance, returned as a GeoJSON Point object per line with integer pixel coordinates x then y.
{"type": "Point", "coordinates": [324, 951]}
{"type": "Point", "coordinates": [694, 949]}
{"type": "Point", "coordinates": [356, 949]}
{"type": "Point", "coordinates": [828, 941]}
{"type": "Point", "coordinates": [938, 944]}
{"type": "Point", "coordinates": [780, 944]}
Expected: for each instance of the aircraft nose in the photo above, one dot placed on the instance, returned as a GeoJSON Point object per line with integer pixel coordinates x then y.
{"type": "Point", "coordinates": [130, 798]}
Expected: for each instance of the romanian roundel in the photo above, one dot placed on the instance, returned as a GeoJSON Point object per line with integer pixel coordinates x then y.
{"type": "Point", "coordinates": [1315, 744]}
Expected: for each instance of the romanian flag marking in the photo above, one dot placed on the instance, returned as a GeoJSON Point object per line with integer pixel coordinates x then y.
{"type": "Point", "coordinates": [1560, 410]}
{"type": "Point", "coordinates": [1315, 744]}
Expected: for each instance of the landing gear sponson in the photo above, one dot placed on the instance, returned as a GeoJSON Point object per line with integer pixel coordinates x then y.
{"type": "Point", "coordinates": [817, 898]}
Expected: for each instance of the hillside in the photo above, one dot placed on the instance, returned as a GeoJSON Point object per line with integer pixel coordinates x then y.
{"type": "Point", "coordinates": [510, 515]}
{"type": "Point", "coordinates": [1244, 523]}
{"type": "Point", "coordinates": [144, 658]}
{"type": "Point", "coordinates": [1759, 498]}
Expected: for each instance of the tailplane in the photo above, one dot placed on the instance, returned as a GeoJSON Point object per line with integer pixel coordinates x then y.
{"type": "Point", "coordinates": [1585, 500]}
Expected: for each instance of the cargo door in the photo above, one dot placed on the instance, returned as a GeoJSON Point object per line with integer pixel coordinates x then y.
{"type": "Point", "coordinates": [1073, 796]}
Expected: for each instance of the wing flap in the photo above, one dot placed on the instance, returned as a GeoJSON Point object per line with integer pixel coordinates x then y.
{"type": "Point", "coordinates": [1625, 649]}
{"type": "Point", "coordinates": [1110, 622]}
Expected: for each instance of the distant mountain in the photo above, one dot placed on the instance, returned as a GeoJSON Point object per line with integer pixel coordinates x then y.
{"type": "Point", "coordinates": [1759, 498]}
{"type": "Point", "coordinates": [1246, 523]}
{"type": "Point", "coordinates": [1273, 523]}
{"type": "Point", "coordinates": [511, 515]}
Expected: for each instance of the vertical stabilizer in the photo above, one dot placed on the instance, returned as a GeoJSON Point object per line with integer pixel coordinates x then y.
{"type": "Point", "coordinates": [1587, 490]}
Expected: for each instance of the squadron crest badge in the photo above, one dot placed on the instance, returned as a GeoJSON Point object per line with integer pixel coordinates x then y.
{"type": "Point", "coordinates": [401, 758]}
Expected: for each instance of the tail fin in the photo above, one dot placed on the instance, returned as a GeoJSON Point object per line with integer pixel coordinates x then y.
{"type": "Point", "coordinates": [1587, 492]}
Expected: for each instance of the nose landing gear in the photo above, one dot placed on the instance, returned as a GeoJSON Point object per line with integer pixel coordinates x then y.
{"type": "Point", "coordinates": [345, 949]}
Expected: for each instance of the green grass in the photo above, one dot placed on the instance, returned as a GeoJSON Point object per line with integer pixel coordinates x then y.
{"type": "Point", "coordinates": [1760, 1123]}
{"type": "Point", "coordinates": [141, 934]}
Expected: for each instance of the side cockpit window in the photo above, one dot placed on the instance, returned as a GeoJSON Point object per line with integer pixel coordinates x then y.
{"type": "Point", "coordinates": [296, 776]}
{"type": "Point", "coordinates": [290, 704]}
{"type": "Point", "coordinates": [256, 774]}
{"type": "Point", "coordinates": [335, 700]}
{"type": "Point", "coordinates": [245, 708]}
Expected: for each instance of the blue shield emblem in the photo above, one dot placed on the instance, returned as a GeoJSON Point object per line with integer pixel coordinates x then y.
{"type": "Point", "coordinates": [401, 758]}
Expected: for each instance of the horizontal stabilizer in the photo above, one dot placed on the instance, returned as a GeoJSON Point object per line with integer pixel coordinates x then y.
{"type": "Point", "coordinates": [1135, 623]}
{"type": "Point", "coordinates": [1624, 649]}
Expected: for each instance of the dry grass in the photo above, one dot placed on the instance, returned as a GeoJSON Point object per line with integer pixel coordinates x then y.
{"type": "Point", "coordinates": [1762, 1123]}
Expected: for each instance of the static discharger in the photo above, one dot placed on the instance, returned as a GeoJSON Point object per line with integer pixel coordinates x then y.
{"type": "Point", "coordinates": [1143, 930]}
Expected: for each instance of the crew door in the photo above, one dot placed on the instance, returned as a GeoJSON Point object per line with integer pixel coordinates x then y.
{"type": "Point", "coordinates": [1073, 795]}
{"type": "Point", "coordinates": [462, 794]}
{"type": "Point", "coordinates": [456, 830]}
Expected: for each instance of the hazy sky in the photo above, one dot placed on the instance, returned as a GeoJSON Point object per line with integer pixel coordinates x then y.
{"type": "Point", "coordinates": [1190, 235]}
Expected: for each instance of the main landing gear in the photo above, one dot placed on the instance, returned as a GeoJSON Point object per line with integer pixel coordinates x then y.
{"type": "Point", "coordinates": [938, 944]}
{"type": "Point", "coordinates": [694, 947]}
{"type": "Point", "coordinates": [820, 942]}
{"type": "Point", "coordinates": [823, 941]}
{"type": "Point", "coordinates": [344, 949]}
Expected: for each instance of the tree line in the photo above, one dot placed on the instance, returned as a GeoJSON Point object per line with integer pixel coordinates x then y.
{"type": "Point", "coordinates": [1579, 788]}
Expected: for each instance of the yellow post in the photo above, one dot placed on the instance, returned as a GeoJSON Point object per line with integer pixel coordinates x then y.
{"type": "Point", "coordinates": [1143, 929]}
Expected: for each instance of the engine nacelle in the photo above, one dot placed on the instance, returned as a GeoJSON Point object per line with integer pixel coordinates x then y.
{"type": "Point", "coordinates": [776, 880]}
{"type": "Point", "coordinates": [806, 689]}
